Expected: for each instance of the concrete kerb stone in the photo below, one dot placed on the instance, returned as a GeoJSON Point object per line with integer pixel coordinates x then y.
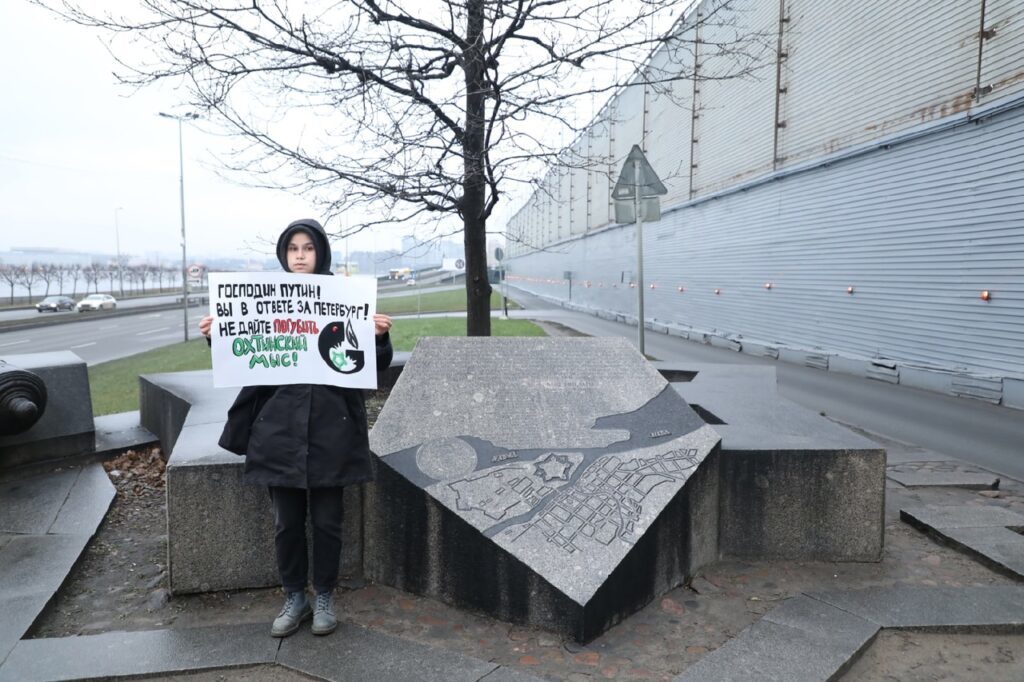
{"type": "Point", "coordinates": [771, 448]}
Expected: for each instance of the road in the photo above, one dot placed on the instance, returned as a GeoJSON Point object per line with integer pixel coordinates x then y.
{"type": "Point", "coordinates": [970, 430]}
{"type": "Point", "coordinates": [102, 339]}
{"type": "Point", "coordinates": [122, 304]}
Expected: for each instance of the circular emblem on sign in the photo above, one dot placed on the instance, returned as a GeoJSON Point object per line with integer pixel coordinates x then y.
{"type": "Point", "coordinates": [460, 264]}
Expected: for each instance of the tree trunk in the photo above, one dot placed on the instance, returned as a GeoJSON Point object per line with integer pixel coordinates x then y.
{"type": "Point", "coordinates": [478, 289]}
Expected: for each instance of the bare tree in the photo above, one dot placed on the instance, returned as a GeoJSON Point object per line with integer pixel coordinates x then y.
{"type": "Point", "coordinates": [60, 273]}
{"type": "Point", "coordinates": [47, 272]}
{"type": "Point", "coordinates": [75, 273]}
{"type": "Point", "coordinates": [9, 274]}
{"type": "Point", "coordinates": [420, 113]}
{"type": "Point", "coordinates": [92, 274]}
{"type": "Point", "coordinates": [28, 275]}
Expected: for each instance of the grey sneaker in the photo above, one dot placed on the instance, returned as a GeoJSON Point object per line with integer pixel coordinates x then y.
{"type": "Point", "coordinates": [296, 610]}
{"type": "Point", "coordinates": [324, 621]}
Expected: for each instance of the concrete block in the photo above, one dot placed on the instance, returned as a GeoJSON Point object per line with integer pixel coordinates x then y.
{"type": "Point", "coordinates": [857, 367]}
{"type": "Point", "coordinates": [220, 532]}
{"type": "Point", "coordinates": [554, 482]}
{"type": "Point", "coordinates": [793, 485]}
{"type": "Point", "coordinates": [66, 427]}
{"type": "Point", "coordinates": [1013, 392]}
{"type": "Point", "coordinates": [927, 379]}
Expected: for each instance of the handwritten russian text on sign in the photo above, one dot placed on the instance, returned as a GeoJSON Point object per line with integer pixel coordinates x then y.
{"type": "Point", "coordinates": [283, 328]}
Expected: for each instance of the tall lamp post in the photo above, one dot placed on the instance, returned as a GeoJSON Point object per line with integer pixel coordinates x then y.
{"type": "Point", "coordinates": [190, 116]}
{"type": "Point", "coordinates": [117, 239]}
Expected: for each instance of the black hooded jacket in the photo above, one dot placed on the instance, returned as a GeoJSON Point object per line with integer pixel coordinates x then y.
{"type": "Point", "coordinates": [303, 435]}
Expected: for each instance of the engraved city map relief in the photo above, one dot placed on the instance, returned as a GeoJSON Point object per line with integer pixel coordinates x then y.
{"type": "Point", "coordinates": [562, 451]}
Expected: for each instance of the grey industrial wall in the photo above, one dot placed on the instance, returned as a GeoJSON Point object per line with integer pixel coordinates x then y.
{"type": "Point", "coordinates": [896, 171]}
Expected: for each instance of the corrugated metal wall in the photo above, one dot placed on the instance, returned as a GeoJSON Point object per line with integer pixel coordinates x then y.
{"type": "Point", "coordinates": [803, 202]}
{"type": "Point", "coordinates": [918, 230]}
{"type": "Point", "coordinates": [1002, 70]}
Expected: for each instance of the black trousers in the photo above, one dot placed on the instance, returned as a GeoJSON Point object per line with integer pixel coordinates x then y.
{"type": "Point", "coordinates": [325, 511]}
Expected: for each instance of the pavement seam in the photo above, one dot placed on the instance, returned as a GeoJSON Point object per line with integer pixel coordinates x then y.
{"type": "Point", "coordinates": [67, 496]}
{"type": "Point", "coordinates": [840, 608]}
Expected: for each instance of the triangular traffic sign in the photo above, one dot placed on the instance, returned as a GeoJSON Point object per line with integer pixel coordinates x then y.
{"type": "Point", "coordinates": [650, 183]}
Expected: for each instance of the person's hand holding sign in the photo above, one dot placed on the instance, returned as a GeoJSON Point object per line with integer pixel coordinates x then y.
{"type": "Point", "coordinates": [381, 324]}
{"type": "Point", "coordinates": [205, 325]}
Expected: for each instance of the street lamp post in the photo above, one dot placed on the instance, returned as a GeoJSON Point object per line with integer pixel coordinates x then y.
{"type": "Point", "coordinates": [191, 116]}
{"type": "Point", "coordinates": [117, 238]}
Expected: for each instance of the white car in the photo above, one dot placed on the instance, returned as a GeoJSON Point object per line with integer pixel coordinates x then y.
{"type": "Point", "coordinates": [96, 302]}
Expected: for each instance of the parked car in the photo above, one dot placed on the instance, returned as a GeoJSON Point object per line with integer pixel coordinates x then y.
{"type": "Point", "coordinates": [55, 304]}
{"type": "Point", "coordinates": [96, 302]}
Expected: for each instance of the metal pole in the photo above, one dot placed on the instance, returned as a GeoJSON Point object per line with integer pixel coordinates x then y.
{"type": "Point", "coordinates": [639, 259]}
{"type": "Point", "coordinates": [184, 262]}
{"type": "Point", "coordinates": [117, 238]}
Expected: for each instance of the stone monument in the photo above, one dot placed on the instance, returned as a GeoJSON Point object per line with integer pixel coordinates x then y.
{"type": "Point", "coordinates": [555, 482]}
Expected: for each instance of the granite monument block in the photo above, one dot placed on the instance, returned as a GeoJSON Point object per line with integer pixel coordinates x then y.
{"type": "Point", "coordinates": [555, 482]}
{"type": "Point", "coordinates": [793, 484]}
{"type": "Point", "coordinates": [65, 428]}
{"type": "Point", "coordinates": [220, 532]}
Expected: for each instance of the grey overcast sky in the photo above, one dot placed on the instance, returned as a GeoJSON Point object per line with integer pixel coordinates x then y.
{"type": "Point", "coordinates": [74, 146]}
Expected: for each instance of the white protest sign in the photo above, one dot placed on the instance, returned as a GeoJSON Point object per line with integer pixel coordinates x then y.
{"type": "Point", "coordinates": [283, 328]}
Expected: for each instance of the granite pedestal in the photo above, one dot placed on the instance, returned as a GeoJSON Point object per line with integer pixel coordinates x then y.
{"type": "Point", "coordinates": [793, 484]}
{"type": "Point", "coordinates": [555, 482]}
{"type": "Point", "coordinates": [220, 532]}
{"type": "Point", "coordinates": [66, 427]}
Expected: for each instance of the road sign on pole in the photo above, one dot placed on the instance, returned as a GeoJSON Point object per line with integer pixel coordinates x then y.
{"type": "Point", "coordinates": [639, 182]}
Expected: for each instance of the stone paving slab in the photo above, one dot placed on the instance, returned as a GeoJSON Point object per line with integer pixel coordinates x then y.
{"type": "Point", "coordinates": [998, 547]}
{"type": "Point", "coordinates": [941, 517]}
{"type": "Point", "coordinates": [152, 652]}
{"type": "Point", "coordinates": [38, 564]}
{"type": "Point", "coordinates": [18, 614]}
{"type": "Point", "coordinates": [948, 474]}
{"type": "Point", "coordinates": [120, 432]}
{"type": "Point", "coordinates": [803, 639]}
{"type": "Point", "coordinates": [31, 504]}
{"type": "Point", "coordinates": [87, 502]}
{"type": "Point", "coordinates": [941, 608]}
{"type": "Point", "coordinates": [355, 653]}
{"type": "Point", "coordinates": [982, 532]}
{"type": "Point", "coordinates": [505, 674]}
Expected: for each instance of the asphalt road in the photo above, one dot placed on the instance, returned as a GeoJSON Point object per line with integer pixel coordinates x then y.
{"type": "Point", "coordinates": [100, 339]}
{"type": "Point", "coordinates": [122, 304]}
{"type": "Point", "coordinates": [970, 430]}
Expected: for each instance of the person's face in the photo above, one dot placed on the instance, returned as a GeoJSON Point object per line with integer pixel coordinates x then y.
{"type": "Point", "coordinates": [301, 253]}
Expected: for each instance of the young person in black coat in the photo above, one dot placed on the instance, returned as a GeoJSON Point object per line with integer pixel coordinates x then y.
{"type": "Point", "coordinates": [304, 442]}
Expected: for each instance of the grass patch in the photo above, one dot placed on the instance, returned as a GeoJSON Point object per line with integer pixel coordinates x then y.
{"type": "Point", "coordinates": [406, 331]}
{"type": "Point", "coordinates": [436, 302]}
{"type": "Point", "coordinates": [114, 385]}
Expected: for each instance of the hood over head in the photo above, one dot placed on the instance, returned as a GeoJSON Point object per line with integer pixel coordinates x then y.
{"type": "Point", "coordinates": [316, 232]}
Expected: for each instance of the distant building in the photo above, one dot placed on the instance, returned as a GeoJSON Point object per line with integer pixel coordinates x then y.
{"type": "Point", "coordinates": [43, 255]}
